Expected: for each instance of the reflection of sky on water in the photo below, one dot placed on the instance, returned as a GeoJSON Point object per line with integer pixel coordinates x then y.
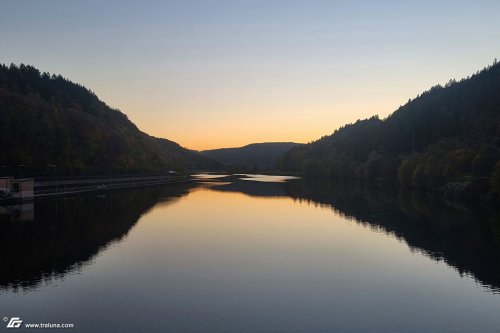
{"type": "Point", "coordinates": [242, 256]}
{"type": "Point", "coordinates": [266, 178]}
{"type": "Point", "coordinates": [208, 176]}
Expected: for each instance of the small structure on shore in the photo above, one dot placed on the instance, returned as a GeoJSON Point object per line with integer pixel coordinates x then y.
{"type": "Point", "coordinates": [5, 186]}
{"type": "Point", "coordinates": [22, 189]}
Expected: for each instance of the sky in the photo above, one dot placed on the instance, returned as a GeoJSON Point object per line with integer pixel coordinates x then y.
{"type": "Point", "coordinates": [213, 74]}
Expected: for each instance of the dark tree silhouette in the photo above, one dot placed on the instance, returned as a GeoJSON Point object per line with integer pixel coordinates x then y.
{"type": "Point", "coordinates": [47, 119]}
{"type": "Point", "coordinates": [447, 136]}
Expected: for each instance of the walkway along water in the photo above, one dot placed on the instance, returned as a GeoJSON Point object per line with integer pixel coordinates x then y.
{"type": "Point", "coordinates": [68, 186]}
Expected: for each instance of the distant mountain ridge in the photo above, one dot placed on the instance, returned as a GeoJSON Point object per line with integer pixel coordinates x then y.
{"type": "Point", "coordinates": [48, 120]}
{"type": "Point", "coordinates": [255, 156]}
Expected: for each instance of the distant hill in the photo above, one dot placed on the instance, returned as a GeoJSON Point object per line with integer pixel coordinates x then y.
{"type": "Point", "coordinates": [259, 156]}
{"type": "Point", "coordinates": [46, 119]}
{"type": "Point", "coordinates": [447, 138]}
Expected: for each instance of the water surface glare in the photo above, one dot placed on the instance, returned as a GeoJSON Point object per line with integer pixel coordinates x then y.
{"type": "Point", "coordinates": [239, 257]}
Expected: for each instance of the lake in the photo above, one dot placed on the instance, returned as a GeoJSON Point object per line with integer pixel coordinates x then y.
{"type": "Point", "coordinates": [251, 253]}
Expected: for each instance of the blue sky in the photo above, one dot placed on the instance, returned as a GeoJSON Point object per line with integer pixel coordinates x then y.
{"type": "Point", "coordinates": [211, 74]}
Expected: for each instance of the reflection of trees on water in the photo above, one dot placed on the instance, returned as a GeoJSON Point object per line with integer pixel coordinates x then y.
{"type": "Point", "coordinates": [68, 232]}
{"type": "Point", "coordinates": [466, 238]}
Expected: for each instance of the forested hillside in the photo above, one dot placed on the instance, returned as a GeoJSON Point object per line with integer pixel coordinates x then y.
{"type": "Point", "coordinates": [447, 136]}
{"type": "Point", "coordinates": [48, 120]}
{"type": "Point", "coordinates": [256, 156]}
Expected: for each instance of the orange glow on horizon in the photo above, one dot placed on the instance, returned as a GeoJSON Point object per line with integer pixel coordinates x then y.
{"type": "Point", "coordinates": [233, 132]}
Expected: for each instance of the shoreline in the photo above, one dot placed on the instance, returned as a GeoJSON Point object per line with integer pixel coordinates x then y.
{"type": "Point", "coordinates": [75, 186]}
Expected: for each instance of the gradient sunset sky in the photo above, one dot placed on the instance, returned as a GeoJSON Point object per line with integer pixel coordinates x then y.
{"type": "Point", "coordinates": [211, 74]}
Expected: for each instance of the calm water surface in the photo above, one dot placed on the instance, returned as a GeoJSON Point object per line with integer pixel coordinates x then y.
{"type": "Point", "coordinates": [255, 255]}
